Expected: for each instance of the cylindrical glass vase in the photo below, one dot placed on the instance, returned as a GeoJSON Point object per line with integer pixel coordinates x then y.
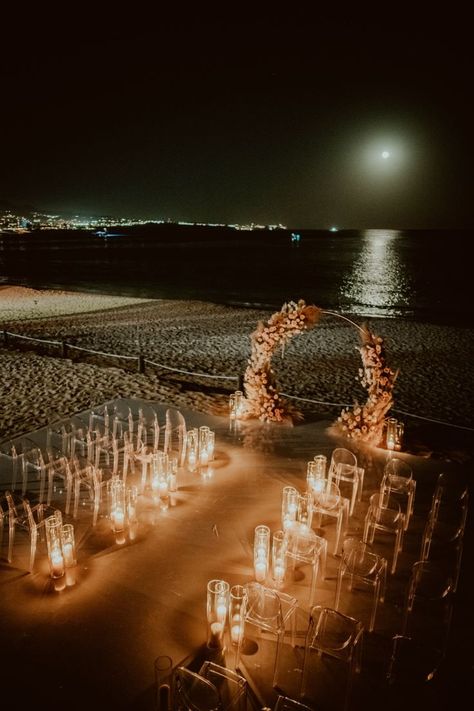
{"type": "Point", "coordinates": [278, 557]}
{"type": "Point", "coordinates": [117, 505]}
{"type": "Point", "coordinates": [261, 552]}
{"type": "Point", "coordinates": [289, 506]}
{"type": "Point", "coordinates": [236, 619]}
{"type": "Point", "coordinates": [68, 545]}
{"type": "Point", "coordinates": [391, 435]}
{"type": "Point", "coordinates": [217, 611]}
{"type": "Point", "coordinates": [53, 529]}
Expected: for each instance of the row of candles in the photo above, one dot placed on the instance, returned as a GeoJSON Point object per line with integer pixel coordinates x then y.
{"type": "Point", "coordinates": [295, 507]}
{"type": "Point", "coordinates": [224, 602]}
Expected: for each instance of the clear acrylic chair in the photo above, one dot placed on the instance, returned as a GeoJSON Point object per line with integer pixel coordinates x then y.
{"type": "Point", "coordinates": [60, 469]}
{"type": "Point", "coordinates": [89, 479]}
{"type": "Point", "coordinates": [361, 570]}
{"type": "Point", "coordinates": [26, 518]}
{"type": "Point", "coordinates": [27, 458]}
{"type": "Point", "coordinates": [327, 501]}
{"type": "Point", "coordinates": [385, 516]}
{"type": "Point", "coordinates": [231, 687]}
{"type": "Point", "coordinates": [175, 434]}
{"type": "Point", "coordinates": [267, 612]}
{"type": "Point", "coordinates": [191, 692]}
{"type": "Point", "coordinates": [412, 663]}
{"type": "Point", "coordinates": [428, 605]}
{"type": "Point", "coordinates": [443, 536]}
{"type": "Point", "coordinates": [344, 468]}
{"type": "Point", "coordinates": [339, 637]}
{"type": "Point", "coordinates": [302, 545]}
{"type": "Point", "coordinates": [398, 483]}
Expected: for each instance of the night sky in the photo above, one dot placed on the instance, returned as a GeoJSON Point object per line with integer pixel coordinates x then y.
{"type": "Point", "coordinates": [231, 122]}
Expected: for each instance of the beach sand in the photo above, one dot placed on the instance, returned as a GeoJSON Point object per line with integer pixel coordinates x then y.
{"type": "Point", "coordinates": [435, 380]}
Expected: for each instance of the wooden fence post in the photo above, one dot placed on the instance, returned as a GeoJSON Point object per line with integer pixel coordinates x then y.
{"type": "Point", "coordinates": [141, 363]}
{"type": "Point", "coordinates": [5, 337]}
{"type": "Point", "coordinates": [64, 349]}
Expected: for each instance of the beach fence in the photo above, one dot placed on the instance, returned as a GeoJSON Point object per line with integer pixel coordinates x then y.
{"type": "Point", "coordinates": [137, 363]}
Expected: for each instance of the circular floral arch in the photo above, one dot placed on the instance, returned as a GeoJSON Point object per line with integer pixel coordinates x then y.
{"type": "Point", "coordinates": [262, 399]}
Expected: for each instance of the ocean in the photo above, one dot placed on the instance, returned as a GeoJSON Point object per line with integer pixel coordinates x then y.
{"type": "Point", "coordinates": [425, 275]}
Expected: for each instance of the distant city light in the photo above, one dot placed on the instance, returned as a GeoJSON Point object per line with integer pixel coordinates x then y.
{"type": "Point", "coordinates": [333, 229]}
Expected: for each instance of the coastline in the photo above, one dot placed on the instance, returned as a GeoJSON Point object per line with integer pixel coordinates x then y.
{"type": "Point", "coordinates": [434, 382]}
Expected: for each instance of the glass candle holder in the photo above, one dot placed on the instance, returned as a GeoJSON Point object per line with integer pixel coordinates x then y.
{"type": "Point", "coordinates": [217, 611]}
{"type": "Point", "coordinates": [157, 471]}
{"type": "Point", "coordinates": [289, 506]}
{"type": "Point", "coordinates": [399, 435]}
{"type": "Point", "coordinates": [261, 552]}
{"type": "Point", "coordinates": [117, 505]}
{"type": "Point", "coordinates": [203, 439]}
{"type": "Point", "coordinates": [239, 403]}
{"type": "Point", "coordinates": [163, 682]}
{"type": "Point", "coordinates": [391, 435]}
{"type": "Point", "coordinates": [236, 619]}
{"type": "Point", "coordinates": [132, 500]}
{"type": "Point", "coordinates": [211, 441]}
{"type": "Point", "coordinates": [305, 508]}
{"type": "Point", "coordinates": [68, 545]}
{"type": "Point", "coordinates": [321, 466]}
{"type": "Point", "coordinates": [278, 557]}
{"type": "Point", "coordinates": [192, 449]}
{"type": "Point", "coordinates": [173, 472]}
{"type": "Point", "coordinates": [232, 406]}
{"type": "Point", "coordinates": [53, 529]}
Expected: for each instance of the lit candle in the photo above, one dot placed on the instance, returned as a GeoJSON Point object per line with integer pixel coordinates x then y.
{"type": "Point", "coordinates": [221, 609]}
{"type": "Point", "coordinates": [163, 488]}
{"type": "Point", "coordinates": [118, 520]}
{"type": "Point", "coordinates": [261, 552]}
{"type": "Point", "coordinates": [57, 563]}
{"type": "Point", "coordinates": [260, 570]}
{"type": "Point", "coordinates": [68, 555]}
{"type": "Point", "coordinates": [192, 461]}
{"type": "Point", "coordinates": [236, 633]}
{"type": "Point", "coordinates": [203, 457]}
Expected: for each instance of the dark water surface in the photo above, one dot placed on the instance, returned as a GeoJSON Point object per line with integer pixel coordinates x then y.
{"type": "Point", "coordinates": [420, 274]}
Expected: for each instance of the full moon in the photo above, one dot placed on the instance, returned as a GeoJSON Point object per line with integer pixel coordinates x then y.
{"type": "Point", "coordinates": [385, 155]}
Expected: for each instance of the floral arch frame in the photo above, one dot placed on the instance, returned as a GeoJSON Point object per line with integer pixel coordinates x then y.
{"type": "Point", "coordinates": [263, 401]}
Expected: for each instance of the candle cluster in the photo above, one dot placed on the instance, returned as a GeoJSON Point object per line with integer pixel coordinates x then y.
{"type": "Point", "coordinates": [200, 445]}
{"type": "Point", "coordinates": [60, 544]}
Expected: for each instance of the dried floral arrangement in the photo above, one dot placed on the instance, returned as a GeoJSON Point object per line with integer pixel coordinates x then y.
{"type": "Point", "coordinates": [262, 397]}
{"type": "Point", "coordinates": [366, 422]}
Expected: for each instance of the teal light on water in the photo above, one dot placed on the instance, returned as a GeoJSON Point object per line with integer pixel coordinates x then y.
{"type": "Point", "coordinates": [333, 229]}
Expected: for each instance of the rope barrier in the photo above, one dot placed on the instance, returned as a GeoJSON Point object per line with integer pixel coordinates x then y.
{"type": "Point", "coordinates": [399, 412]}
{"type": "Point", "coordinates": [316, 402]}
{"type": "Point", "coordinates": [188, 372]}
{"type": "Point", "coordinates": [438, 422]}
{"type": "Point", "coordinates": [30, 338]}
{"type": "Point", "coordinates": [110, 355]}
{"type": "Point", "coordinates": [232, 377]}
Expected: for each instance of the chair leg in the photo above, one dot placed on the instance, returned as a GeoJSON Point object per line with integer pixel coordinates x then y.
{"type": "Point", "coordinates": [34, 540]}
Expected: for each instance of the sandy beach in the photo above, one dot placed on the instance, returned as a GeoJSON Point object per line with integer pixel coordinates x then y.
{"type": "Point", "coordinates": [434, 381]}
